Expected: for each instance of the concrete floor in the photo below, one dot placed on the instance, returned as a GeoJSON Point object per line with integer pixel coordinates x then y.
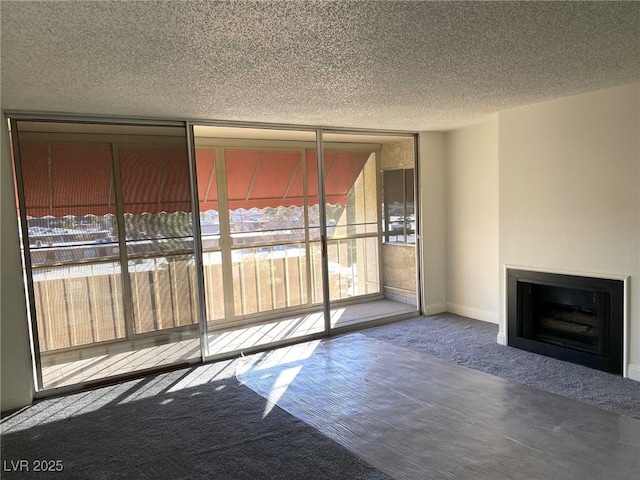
{"type": "Point", "coordinates": [414, 416]}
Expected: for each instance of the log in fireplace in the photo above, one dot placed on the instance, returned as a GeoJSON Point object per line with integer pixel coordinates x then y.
{"type": "Point", "coordinates": [572, 318]}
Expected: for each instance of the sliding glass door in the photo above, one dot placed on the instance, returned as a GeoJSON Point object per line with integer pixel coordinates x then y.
{"type": "Point", "coordinates": [158, 236]}
{"type": "Point", "coordinates": [352, 225]}
{"type": "Point", "coordinates": [259, 215]}
{"type": "Point", "coordinates": [289, 252]}
{"type": "Point", "coordinates": [295, 238]}
{"type": "Point", "coordinates": [367, 280]}
{"type": "Point", "coordinates": [108, 247]}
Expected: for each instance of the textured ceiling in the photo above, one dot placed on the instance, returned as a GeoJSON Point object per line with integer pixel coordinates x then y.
{"type": "Point", "coordinates": [391, 65]}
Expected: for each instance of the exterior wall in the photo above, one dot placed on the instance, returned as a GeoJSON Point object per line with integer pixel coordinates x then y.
{"type": "Point", "coordinates": [570, 192]}
{"type": "Point", "coordinates": [15, 359]}
{"type": "Point", "coordinates": [397, 154]}
{"type": "Point", "coordinates": [366, 209]}
{"type": "Point", "coordinates": [399, 261]}
{"type": "Point", "coordinates": [432, 226]}
{"type": "Point", "coordinates": [399, 269]}
{"type": "Point", "coordinates": [471, 186]}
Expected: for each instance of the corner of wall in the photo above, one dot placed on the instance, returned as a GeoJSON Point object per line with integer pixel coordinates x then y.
{"type": "Point", "coordinates": [633, 372]}
{"type": "Point", "coordinates": [432, 226]}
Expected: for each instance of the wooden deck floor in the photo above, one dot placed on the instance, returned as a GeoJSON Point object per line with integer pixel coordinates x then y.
{"type": "Point", "coordinates": [220, 342]}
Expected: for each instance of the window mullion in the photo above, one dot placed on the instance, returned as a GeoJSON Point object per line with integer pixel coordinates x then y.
{"type": "Point", "coordinates": [127, 297]}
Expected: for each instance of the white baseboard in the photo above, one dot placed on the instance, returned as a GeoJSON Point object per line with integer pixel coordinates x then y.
{"type": "Point", "coordinates": [475, 313]}
{"type": "Point", "coordinates": [501, 339]}
{"type": "Point", "coordinates": [434, 308]}
{"type": "Point", "coordinates": [17, 400]}
{"type": "Point", "coordinates": [633, 372]}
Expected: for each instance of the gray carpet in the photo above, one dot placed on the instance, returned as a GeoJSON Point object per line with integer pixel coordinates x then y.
{"type": "Point", "coordinates": [189, 424]}
{"type": "Point", "coordinates": [201, 423]}
{"type": "Point", "coordinates": [472, 343]}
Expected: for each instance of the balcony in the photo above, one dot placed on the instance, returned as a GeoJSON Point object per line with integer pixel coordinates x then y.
{"type": "Point", "coordinates": [95, 363]}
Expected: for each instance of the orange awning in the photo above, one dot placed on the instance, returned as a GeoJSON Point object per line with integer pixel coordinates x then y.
{"type": "Point", "coordinates": [61, 180]}
{"type": "Point", "coordinates": [76, 180]}
{"type": "Point", "coordinates": [261, 179]}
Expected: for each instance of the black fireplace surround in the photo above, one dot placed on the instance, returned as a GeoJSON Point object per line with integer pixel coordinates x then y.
{"type": "Point", "coordinates": [572, 318]}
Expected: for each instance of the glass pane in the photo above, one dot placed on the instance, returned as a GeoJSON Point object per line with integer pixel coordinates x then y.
{"type": "Point", "coordinates": [156, 199]}
{"type": "Point", "coordinates": [208, 198]}
{"type": "Point", "coordinates": [351, 192]}
{"type": "Point", "coordinates": [164, 293]}
{"type": "Point", "coordinates": [156, 196]}
{"type": "Point", "coordinates": [398, 222]}
{"type": "Point", "coordinates": [410, 218]}
{"type": "Point", "coordinates": [398, 260]}
{"type": "Point", "coordinates": [269, 278]}
{"type": "Point", "coordinates": [352, 205]}
{"type": "Point", "coordinates": [265, 196]}
{"type": "Point", "coordinates": [255, 234]}
{"type": "Point", "coordinates": [70, 202]}
{"type": "Point", "coordinates": [78, 305]}
{"type": "Point", "coordinates": [85, 312]}
{"type": "Point", "coordinates": [353, 267]}
{"type": "Point", "coordinates": [315, 252]}
{"type": "Point", "coordinates": [394, 204]}
{"type": "Point", "coordinates": [210, 232]}
{"type": "Point", "coordinates": [311, 161]}
{"type": "Point", "coordinates": [213, 284]}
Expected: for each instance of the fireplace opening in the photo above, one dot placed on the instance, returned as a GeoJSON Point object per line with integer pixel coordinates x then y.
{"type": "Point", "coordinates": [577, 319]}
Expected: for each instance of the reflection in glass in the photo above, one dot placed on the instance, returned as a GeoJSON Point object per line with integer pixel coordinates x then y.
{"type": "Point", "coordinates": [210, 232]}
{"type": "Point", "coordinates": [164, 293]}
{"type": "Point", "coordinates": [92, 293]}
{"type": "Point", "coordinates": [156, 200]}
{"type": "Point", "coordinates": [399, 221]}
{"type": "Point", "coordinates": [351, 192]}
{"type": "Point", "coordinates": [78, 305]}
{"type": "Point", "coordinates": [213, 281]}
{"type": "Point", "coordinates": [353, 267]}
{"type": "Point", "coordinates": [69, 202]}
{"type": "Point", "coordinates": [254, 188]}
{"type": "Point", "coordinates": [158, 227]}
{"type": "Point", "coordinates": [269, 278]}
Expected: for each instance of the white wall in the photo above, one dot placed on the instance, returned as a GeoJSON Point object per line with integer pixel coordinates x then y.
{"type": "Point", "coordinates": [570, 191]}
{"type": "Point", "coordinates": [432, 225]}
{"type": "Point", "coordinates": [471, 189]}
{"type": "Point", "coordinates": [15, 364]}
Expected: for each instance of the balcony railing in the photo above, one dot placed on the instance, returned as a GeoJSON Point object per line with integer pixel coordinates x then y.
{"type": "Point", "coordinates": [81, 304]}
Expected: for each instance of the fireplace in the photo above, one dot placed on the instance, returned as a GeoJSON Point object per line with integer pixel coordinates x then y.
{"type": "Point", "coordinates": [572, 318]}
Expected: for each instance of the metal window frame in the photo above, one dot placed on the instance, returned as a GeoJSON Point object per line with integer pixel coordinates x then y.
{"type": "Point", "coordinates": [122, 258]}
{"type": "Point", "coordinates": [187, 125]}
{"type": "Point", "coordinates": [197, 242]}
{"type": "Point", "coordinates": [26, 252]}
{"type": "Point", "coordinates": [417, 199]}
{"type": "Point", "coordinates": [405, 229]}
{"type": "Point", "coordinates": [219, 146]}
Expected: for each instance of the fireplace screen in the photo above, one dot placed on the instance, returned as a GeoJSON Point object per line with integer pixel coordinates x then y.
{"type": "Point", "coordinates": [577, 319]}
{"type": "Point", "coordinates": [566, 316]}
